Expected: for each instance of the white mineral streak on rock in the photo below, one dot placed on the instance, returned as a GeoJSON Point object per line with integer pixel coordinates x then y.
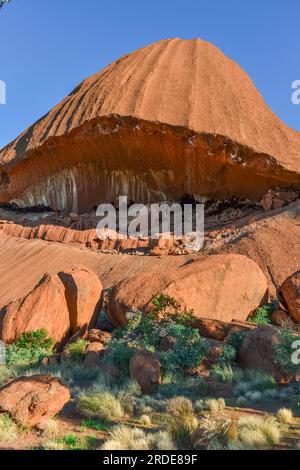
{"type": "Point", "coordinates": [60, 191]}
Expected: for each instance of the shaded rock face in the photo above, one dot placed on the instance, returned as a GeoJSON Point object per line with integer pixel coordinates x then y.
{"type": "Point", "coordinates": [222, 287]}
{"type": "Point", "coordinates": [258, 352]}
{"type": "Point", "coordinates": [219, 330]}
{"type": "Point", "coordinates": [93, 353]}
{"type": "Point", "coordinates": [145, 369]}
{"type": "Point", "coordinates": [291, 293]}
{"type": "Point", "coordinates": [83, 291]}
{"type": "Point", "coordinates": [33, 400]}
{"type": "Point", "coordinates": [62, 304]}
{"type": "Point", "coordinates": [281, 318]}
{"type": "Point", "coordinates": [44, 307]}
{"type": "Point", "coordinates": [173, 117]}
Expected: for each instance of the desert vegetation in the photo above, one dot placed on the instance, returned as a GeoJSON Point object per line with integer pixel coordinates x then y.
{"type": "Point", "coordinates": [192, 405]}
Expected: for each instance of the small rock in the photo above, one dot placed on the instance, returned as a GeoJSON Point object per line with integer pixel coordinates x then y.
{"type": "Point", "coordinates": [145, 369]}
{"type": "Point", "coordinates": [54, 360]}
{"type": "Point", "coordinates": [98, 336]}
{"type": "Point", "coordinates": [277, 199]}
{"type": "Point", "coordinates": [93, 354]}
{"type": "Point", "coordinates": [282, 319]}
{"type": "Point", "coordinates": [219, 330]}
{"type": "Point", "coordinates": [258, 352]}
{"type": "Point", "coordinates": [291, 293]}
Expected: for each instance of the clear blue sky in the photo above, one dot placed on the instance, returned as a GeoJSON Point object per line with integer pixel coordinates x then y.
{"type": "Point", "coordinates": [49, 46]}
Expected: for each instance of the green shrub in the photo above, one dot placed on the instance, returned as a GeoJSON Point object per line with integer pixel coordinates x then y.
{"type": "Point", "coordinates": [227, 356]}
{"type": "Point", "coordinates": [147, 331]}
{"type": "Point", "coordinates": [95, 424]}
{"type": "Point", "coordinates": [119, 353]}
{"type": "Point", "coordinates": [236, 339]}
{"type": "Point", "coordinates": [227, 373]}
{"type": "Point", "coordinates": [70, 442]}
{"type": "Point", "coordinates": [30, 348]}
{"type": "Point", "coordinates": [262, 316]}
{"type": "Point", "coordinates": [188, 351]}
{"type": "Point", "coordinates": [77, 349]}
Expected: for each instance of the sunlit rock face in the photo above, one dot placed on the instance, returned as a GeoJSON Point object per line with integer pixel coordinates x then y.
{"type": "Point", "coordinates": [176, 117]}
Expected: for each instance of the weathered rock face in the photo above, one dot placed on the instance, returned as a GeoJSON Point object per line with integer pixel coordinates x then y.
{"type": "Point", "coordinates": [145, 369]}
{"type": "Point", "coordinates": [219, 330]}
{"type": "Point", "coordinates": [173, 117]}
{"type": "Point", "coordinates": [291, 293]}
{"type": "Point", "coordinates": [33, 400]}
{"type": "Point", "coordinates": [222, 287]}
{"type": "Point", "coordinates": [99, 336]}
{"type": "Point", "coordinates": [44, 307]}
{"type": "Point", "coordinates": [63, 304]}
{"type": "Point", "coordinates": [282, 319]}
{"type": "Point", "coordinates": [258, 352]}
{"type": "Point", "coordinates": [83, 291]}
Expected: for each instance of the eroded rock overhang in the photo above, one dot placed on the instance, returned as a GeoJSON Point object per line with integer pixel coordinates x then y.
{"type": "Point", "coordinates": [147, 161]}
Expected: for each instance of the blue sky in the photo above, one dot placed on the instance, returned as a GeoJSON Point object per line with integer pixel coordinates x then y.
{"type": "Point", "coordinates": [48, 47]}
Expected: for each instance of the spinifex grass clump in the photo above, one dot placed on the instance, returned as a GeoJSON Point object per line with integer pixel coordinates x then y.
{"type": "Point", "coordinates": [30, 348]}
{"type": "Point", "coordinates": [77, 349]}
{"type": "Point", "coordinates": [182, 422]}
{"type": "Point", "coordinates": [8, 429]}
{"type": "Point", "coordinates": [148, 330]}
{"type": "Point", "coordinates": [246, 433]}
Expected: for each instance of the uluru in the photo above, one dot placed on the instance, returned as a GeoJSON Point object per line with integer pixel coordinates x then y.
{"type": "Point", "coordinates": [173, 118]}
{"type": "Point", "coordinates": [175, 326]}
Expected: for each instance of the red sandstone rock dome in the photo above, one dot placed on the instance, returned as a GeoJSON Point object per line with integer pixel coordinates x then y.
{"type": "Point", "coordinates": [172, 118]}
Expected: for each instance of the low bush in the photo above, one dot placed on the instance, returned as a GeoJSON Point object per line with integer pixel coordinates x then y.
{"type": "Point", "coordinates": [30, 348]}
{"type": "Point", "coordinates": [148, 330]}
{"type": "Point", "coordinates": [262, 315]}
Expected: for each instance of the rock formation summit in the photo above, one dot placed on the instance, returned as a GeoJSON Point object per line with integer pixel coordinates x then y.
{"type": "Point", "coordinates": [176, 117]}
